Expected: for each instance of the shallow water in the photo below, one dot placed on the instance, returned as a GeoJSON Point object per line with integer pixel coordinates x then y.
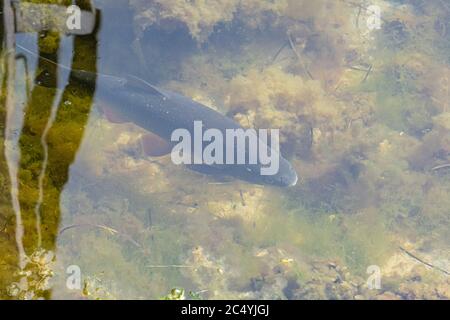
{"type": "Point", "coordinates": [364, 118]}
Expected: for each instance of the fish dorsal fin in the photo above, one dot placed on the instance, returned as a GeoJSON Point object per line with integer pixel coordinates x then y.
{"type": "Point", "coordinates": [141, 84]}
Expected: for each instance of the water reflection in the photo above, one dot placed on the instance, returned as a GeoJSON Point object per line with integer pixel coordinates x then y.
{"type": "Point", "coordinates": [10, 255]}
{"type": "Point", "coordinates": [365, 118]}
{"type": "Point", "coordinates": [46, 150]}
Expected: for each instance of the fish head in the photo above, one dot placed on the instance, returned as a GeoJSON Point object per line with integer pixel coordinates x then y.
{"type": "Point", "coordinates": [285, 177]}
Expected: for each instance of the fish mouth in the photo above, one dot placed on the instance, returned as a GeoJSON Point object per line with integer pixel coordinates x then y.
{"type": "Point", "coordinates": [287, 180]}
{"type": "Point", "coordinates": [294, 182]}
{"type": "Point", "coordinates": [290, 179]}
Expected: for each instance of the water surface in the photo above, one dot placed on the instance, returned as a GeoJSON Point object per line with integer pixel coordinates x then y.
{"type": "Point", "coordinates": [364, 117]}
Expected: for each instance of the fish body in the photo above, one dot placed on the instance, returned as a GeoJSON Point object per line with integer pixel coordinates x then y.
{"type": "Point", "coordinates": [162, 111]}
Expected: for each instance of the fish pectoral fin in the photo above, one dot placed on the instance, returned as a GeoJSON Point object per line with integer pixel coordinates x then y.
{"type": "Point", "coordinates": [155, 146]}
{"type": "Point", "coordinates": [112, 116]}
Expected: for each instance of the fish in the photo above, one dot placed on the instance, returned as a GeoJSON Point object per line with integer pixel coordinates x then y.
{"type": "Point", "coordinates": [161, 111]}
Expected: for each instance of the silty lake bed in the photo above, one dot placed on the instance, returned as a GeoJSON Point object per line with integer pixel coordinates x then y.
{"type": "Point", "coordinates": [358, 89]}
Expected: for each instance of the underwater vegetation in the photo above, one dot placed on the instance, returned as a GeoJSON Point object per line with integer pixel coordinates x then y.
{"type": "Point", "coordinates": [364, 116]}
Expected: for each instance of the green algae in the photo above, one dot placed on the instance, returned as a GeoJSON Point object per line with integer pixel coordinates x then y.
{"type": "Point", "coordinates": [364, 142]}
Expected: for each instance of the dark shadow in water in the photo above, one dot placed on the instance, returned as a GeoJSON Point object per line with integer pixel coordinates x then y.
{"type": "Point", "coordinates": [48, 143]}
{"type": "Point", "coordinates": [160, 52]}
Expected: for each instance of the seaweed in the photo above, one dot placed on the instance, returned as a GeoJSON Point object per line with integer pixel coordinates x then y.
{"type": "Point", "coordinates": [364, 118]}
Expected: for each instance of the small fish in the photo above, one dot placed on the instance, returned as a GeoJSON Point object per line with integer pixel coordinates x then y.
{"type": "Point", "coordinates": [162, 111]}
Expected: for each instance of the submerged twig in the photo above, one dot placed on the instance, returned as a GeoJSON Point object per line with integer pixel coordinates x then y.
{"type": "Point", "coordinates": [103, 227]}
{"type": "Point", "coordinates": [170, 266]}
{"type": "Point", "coordinates": [219, 183]}
{"type": "Point", "coordinates": [242, 198]}
{"type": "Point", "coordinates": [366, 70]}
{"type": "Point", "coordinates": [294, 49]}
{"type": "Point", "coordinates": [424, 262]}
{"type": "Point", "coordinates": [162, 266]}
{"type": "Point", "coordinates": [367, 74]}
{"type": "Point", "coordinates": [357, 68]}
{"type": "Point", "coordinates": [357, 17]}
{"type": "Point", "coordinates": [442, 166]}
{"type": "Point", "coordinates": [285, 44]}
{"type": "Point", "coordinates": [99, 226]}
